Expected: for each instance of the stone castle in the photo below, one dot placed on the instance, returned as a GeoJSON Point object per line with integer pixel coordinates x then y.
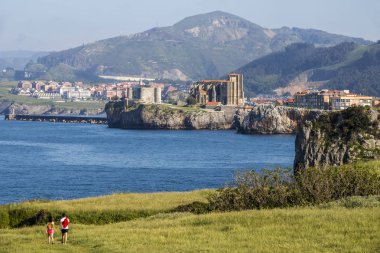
{"type": "Point", "coordinates": [149, 95]}
{"type": "Point", "coordinates": [225, 92]}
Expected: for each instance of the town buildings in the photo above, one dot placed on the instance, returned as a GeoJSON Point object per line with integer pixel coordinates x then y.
{"type": "Point", "coordinates": [136, 91]}
{"type": "Point", "coordinates": [226, 92]}
{"type": "Point", "coordinates": [345, 101]}
{"type": "Point", "coordinates": [330, 99]}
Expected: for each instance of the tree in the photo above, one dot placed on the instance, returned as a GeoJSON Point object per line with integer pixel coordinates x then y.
{"type": "Point", "coordinates": [191, 100]}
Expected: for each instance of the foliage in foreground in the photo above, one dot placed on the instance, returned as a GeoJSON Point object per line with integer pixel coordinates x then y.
{"type": "Point", "coordinates": [308, 229]}
{"type": "Point", "coordinates": [97, 210]}
{"type": "Point", "coordinates": [279, 188]}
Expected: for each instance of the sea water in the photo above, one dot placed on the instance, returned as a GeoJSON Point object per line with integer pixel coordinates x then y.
{"type": "Point", "coordinates": [42, 160]}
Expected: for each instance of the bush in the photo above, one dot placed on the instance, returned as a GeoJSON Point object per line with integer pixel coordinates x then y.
{"type": "Point", "coordinates": [256, 190]}
{"type": "Point", "coordinates": [280, 188]}
{"type": "Point", "coordinates": [4, 218]}
{"type": "Point", "coordinates": [21, 217]}
{"type": "Point", "coordinates": [106, 217]}
{"type": "Point", "coordinates": [195, 207]}
{"type": "Point", "coordinates": [318, 185]}
{"type": "Point", "coordinates": [191, 100]}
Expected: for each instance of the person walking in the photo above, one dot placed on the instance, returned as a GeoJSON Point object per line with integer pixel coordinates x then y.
{"type": "Point", "coordinates": [50, 230]}
{"type": "Point", "coordinates": [64, 227]}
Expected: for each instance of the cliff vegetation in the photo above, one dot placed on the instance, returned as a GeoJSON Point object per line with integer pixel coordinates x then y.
{"type": "Point", "coordinates": [337, 138]}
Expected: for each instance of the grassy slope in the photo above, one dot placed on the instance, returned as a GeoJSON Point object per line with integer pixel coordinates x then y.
{"type": "Point", "coordinates": [131, 201]}
{"type": "Point", "coordinates": [333, 229]}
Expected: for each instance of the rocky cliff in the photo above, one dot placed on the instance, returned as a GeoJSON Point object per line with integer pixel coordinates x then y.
{"type": "Point", "coordinates": [144, 116]}
{"type": "Point", "coordinates": [260, 120]}
{"type": "Point", "coordinates": [270, 119]}
{"type": "Point", "coordinates": [337, 138]}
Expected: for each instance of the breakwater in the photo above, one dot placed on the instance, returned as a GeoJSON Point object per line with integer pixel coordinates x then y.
{"type": "Point", "coordinates": [58, 118]}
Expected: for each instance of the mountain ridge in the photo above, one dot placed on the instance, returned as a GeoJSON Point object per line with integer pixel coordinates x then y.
{"type": "Point", "coordinates": [197, 47]}
{"type": "Point", "coordinates": [301, 66]}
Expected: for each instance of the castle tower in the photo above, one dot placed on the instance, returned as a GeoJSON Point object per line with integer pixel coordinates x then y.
{"type": "Point", "coordinates": [130, 93]}
{"type": "Point", "coordinates": [157, 95]}
{"type": "Point", "coordinates": [213, 97]}
{"type": "Point", "coordinates": [236, 89]}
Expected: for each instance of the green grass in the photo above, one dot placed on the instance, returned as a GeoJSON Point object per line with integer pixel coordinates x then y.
{"type": "Point", "coordinates": [99, 210]}
{"type": "Point", "coordinates": [184, 108]}
{"type": "Point", "coordinates": [157, 202]}
{"type": "Point", "coordinates": [328, 229]}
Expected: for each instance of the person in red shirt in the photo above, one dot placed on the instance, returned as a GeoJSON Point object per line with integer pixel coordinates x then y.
{"type": "Point", "coordinates": [64, 227]}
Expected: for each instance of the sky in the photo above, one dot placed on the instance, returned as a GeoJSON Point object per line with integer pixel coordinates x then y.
{"type": "Point", "coordinates": [52, 25]}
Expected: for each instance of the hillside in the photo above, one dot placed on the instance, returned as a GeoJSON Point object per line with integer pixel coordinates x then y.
{"type": "Point", "coordinates": [202, 46]}
{"type": "Point", "coordinates": [302, 229]}
{"type": "Point", "coordinates": [301, 65]}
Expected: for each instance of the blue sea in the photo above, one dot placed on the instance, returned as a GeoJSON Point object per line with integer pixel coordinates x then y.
{"type": "Point", "coordinates": [42, 160]}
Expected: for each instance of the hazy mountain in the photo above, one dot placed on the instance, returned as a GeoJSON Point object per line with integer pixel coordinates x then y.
{"type": "Point", "coordinates": [202, 46]}
{"type": "Point", "coordinates": [18, 59]}
{"type": "Point", "coordinates": [299, 66]}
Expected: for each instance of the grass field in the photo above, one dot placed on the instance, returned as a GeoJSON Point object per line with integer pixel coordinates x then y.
{"type": "Point", "coordinates": [157, 202]}
{"type": "Point", "coordinates": [350, 225]}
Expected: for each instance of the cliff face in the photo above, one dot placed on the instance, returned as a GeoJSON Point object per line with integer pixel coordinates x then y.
{"type": "Point", "coordinates": [261, 120]}
{"type": "Point", "coordinates": [338, 138]}
{"type": "Point", "coordinates": [145, 116]}
{"type": "Point", "coordinates": [269, 119]}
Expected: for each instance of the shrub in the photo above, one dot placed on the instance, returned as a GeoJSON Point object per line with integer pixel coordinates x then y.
{"type": "Point", "coordinates": [4, 218]}
{"type": "Point", "coordinates": [17, 217]}
{"type": "Point", "coordinates": [106, 217]}
{"type": "Point", "coordinates": [21, 217]}
{"type": "Point", "coordinates": [256, 190]}
{"type": "Point", "coordinates": [319, 185]}
{"type": "Point", "coordinates": [191, 100]}
{"type": "Point", "coordinates": [195, 207]}
{"type": "Point", "coordinates": [280, 188]}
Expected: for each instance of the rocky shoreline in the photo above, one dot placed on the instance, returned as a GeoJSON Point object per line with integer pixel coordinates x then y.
{"type": "Point", "coordinates": [270, 119]}
{"type": "Point", "coordinates": [262, 119]}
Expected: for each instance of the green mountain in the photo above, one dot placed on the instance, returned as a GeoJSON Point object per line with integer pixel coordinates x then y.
{"type": "Point", "coordinates": [202, 46]}
{"type": "Point", "coordinates": [301, 65]}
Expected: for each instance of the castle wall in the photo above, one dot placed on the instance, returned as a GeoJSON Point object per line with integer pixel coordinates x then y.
{"type": "Point", "coordinates": [228, 92]}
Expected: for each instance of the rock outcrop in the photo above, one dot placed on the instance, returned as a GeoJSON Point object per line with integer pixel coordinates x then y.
{"type": "Point", "coordinates": [337, 138]}
{"type": "Point", "coordinates": [145, 116]}
{"type": "Point", "coordinates": [270, 119]}
{"type": "Point", "coordinates": [260, 120]}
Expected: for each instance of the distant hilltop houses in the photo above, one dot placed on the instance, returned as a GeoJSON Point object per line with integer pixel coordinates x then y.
{"type": "Point", "coordinates": [136, 90]}
{"type": "Point", "coordinates": [321, 99]}
{"type": "Point", "coordinates": [209, 94]}
{"type": "Point", "coordinates": [331, 99]}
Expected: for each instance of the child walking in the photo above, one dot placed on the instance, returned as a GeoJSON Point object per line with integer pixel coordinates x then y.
{"type": "Point", "coordinates": [50, 230]}
{"type": "Point", "coordinates": [64, 227]}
